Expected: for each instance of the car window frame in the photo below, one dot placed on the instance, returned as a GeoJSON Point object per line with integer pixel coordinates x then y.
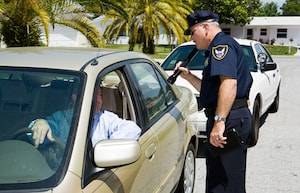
{"type": "Point", "coordinates": [90, 171]}
{"type": "Point", "coordinates": [148, 125]}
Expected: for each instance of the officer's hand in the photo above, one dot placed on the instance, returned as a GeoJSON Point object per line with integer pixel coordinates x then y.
{"type": "Point", "coordinates": [216, 135]}
{"type": "Point", "coordinates": [40, 130]}
{"type": "Point", "coordinates": [184, 71]}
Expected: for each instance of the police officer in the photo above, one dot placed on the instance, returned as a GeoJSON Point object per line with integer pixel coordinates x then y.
{"type": "Point", "coordinates": [224, 91]}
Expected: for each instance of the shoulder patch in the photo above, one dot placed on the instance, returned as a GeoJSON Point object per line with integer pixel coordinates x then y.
{"type": "Point", "coordinates": [219, 52]}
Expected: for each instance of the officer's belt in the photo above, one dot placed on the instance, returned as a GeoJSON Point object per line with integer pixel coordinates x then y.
{"type": "Point", "coordinates": [237, 104]}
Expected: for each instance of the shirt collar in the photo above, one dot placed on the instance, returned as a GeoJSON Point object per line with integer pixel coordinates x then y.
{"type": "Point", "coordinates": [213, 42]}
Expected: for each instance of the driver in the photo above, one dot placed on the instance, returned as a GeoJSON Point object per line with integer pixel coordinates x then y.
{"type": "Point", "coordinates": [105, 125]}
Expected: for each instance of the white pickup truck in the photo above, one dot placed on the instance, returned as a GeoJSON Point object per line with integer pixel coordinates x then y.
{"type": "Point", "coordinates": [264, 93]}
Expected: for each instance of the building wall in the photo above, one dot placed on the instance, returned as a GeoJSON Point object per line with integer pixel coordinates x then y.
{"type": "Point", "coordinates": [292, 32]}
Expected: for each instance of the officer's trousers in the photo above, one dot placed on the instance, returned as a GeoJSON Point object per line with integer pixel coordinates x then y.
{"type": "Point", "coordinates": [226, 169]}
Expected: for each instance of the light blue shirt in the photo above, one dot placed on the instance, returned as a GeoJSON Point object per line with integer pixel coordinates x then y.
{"type": "Point", "coordinates": [60, 123]}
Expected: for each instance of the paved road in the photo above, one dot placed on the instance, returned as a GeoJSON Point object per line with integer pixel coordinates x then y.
{"type": "Point", "coordinates": [273, 165]}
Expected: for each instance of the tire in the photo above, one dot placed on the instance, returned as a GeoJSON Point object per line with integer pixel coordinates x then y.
{"type": "Point", "coordinates": [275, 105]}
{"type": "Point", "coordinates": [254, 134]}
{"type": "Point", "coordinates": [187, 179]}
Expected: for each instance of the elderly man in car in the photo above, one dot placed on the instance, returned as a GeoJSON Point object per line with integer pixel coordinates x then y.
{"type": "Point", "coordinates": [105, 125]}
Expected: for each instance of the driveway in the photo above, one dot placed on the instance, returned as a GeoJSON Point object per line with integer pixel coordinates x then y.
{"type": "Point", "coordinates": [273, 165]}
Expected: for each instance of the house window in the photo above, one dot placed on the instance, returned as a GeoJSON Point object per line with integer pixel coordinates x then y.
{"type": "Point", "coordinates": [281, 33]}
{"type": "Point", "coordinates": [249, 33]}
{"type": "Point", "coordinates": [263, 32]}
{"type": "Point", "coordinates": [226, 31]}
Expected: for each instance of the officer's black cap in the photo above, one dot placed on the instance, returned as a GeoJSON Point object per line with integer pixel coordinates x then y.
{"type": "Point", "coordinates": [199, 17]}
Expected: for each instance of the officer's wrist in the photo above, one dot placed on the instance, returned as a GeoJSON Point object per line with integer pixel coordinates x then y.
{"type": "Point", "coordinates": [219, 118]}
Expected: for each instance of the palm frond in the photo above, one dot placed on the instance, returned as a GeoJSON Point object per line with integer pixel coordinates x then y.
{"type": "Point", "coordinates": [85, 26]}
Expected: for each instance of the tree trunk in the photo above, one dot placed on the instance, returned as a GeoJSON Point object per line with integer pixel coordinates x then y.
{"type": "Point", "coordinates": [20, 35]}
{"type": "Point", "coordinates": [131, 43]}
{"type": "Point", "coordinates": [149, 47]}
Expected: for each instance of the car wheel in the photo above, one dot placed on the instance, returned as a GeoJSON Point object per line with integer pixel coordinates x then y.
{"type": "Point", "coordinates": [255, 124]}
{"type": "Point", "coordinates": [187, 178]}
{"type": "Point", "coordinates": [275, 105]}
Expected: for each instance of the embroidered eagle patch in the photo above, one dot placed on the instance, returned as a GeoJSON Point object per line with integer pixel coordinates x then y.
{"type": "Point", "coordinates": [219, 52]}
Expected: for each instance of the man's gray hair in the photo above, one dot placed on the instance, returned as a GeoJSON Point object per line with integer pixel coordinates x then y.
{"type": "Point", "coordinates": [213, 22]}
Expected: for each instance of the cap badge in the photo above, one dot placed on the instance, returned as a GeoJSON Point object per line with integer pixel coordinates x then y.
{"type": "Point", "coordinates": [219, 52]}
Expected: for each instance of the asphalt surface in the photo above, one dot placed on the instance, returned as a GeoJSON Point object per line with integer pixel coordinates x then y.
{"type": "Point", "coordinates": [273, 165]}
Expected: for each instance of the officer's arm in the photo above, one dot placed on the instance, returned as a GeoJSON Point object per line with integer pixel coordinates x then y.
{"type": "Point", "coordinates": [227, 94]}
{"type": "Point", "coordinates": [194, 80]}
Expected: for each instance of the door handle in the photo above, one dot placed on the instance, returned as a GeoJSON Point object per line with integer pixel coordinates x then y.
{"type": "Point", "coordinates": [150, 151]}
{"type": "Point", "coordinates": [274, 75]}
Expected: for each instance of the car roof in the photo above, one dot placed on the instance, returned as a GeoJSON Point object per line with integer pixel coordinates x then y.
{"type": "Point", "coordinates": [244, 42]}
{"type": "Point", "coordinates": [59, 58]}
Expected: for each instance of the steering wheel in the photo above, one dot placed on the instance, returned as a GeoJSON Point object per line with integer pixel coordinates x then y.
{"type": "Point", "coordinates": [52, 150]}
{"type": "Point", "coordinates": [22, 134]}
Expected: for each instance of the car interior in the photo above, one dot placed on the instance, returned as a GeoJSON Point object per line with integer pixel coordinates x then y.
{"type": "Point", "coordinates": [115, 95]}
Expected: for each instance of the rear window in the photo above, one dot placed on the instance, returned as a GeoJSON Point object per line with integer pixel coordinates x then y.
{"type": "Point", "coordinates": [182, 52]}
{"type": "Point", "coordinates": [27, 95]}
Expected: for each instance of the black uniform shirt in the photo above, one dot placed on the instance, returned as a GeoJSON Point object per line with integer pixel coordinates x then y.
{"type": "Point", "coordinates": [225, 58]}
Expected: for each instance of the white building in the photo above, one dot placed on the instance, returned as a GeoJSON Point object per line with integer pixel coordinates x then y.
{"type": "Point", "coordinates": [284, 30]}
{"type": "Point", "coordinates": [279, 29]}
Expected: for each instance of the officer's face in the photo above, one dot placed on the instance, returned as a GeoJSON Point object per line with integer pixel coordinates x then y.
{"type": "Point", "coordinates": [199, 36]}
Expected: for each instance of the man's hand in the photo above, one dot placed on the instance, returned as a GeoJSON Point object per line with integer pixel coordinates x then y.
{"type": "Point", "coordinates": [216, 135]}
{"type": "Point", "coordinates": [184, 71]}
{"type": "Point", "coordinates": [40, 130]}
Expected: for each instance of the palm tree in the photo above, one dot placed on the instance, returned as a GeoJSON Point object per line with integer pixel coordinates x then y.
{"type": "Point", "coordinates": [104, 7]}
{"type": "Point", "coordinates": [144, 20]}
{"type": "Point", "coordinates": [70, 13]}
{"type": "Point", "coordinates": [21, 20]}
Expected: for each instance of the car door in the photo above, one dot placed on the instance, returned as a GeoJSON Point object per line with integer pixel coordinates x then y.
{"type": "Point", "coordinates": [140, 176]}
{"type": "Point", "coordinates": [162, 118]}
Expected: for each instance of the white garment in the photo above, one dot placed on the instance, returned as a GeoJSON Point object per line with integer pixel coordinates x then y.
{"type": "Point", "coordinates": [109, 126]}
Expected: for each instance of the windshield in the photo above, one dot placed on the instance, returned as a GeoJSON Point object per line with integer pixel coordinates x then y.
{"type": "Point", "coordinates": [35, 100]}
{"type": "Point", "coordinates": [181, 53]}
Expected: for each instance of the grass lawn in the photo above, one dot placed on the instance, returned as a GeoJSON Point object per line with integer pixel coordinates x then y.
{"type": "Point", "coordinates": [280, 50]}
{"type": "Point", "coordinates": [161, 51]}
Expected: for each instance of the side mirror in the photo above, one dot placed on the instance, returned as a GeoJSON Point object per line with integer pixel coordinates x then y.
{"type": "Point", "coordinates": [264, 65]}
{"type": "Point", "coordinates": [269, 66]}
{"type": "Point", "coordinates": [116, 152]}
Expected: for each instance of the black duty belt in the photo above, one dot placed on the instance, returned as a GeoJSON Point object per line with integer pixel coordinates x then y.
{"type": "Point", "coordinates": [237, 104]}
